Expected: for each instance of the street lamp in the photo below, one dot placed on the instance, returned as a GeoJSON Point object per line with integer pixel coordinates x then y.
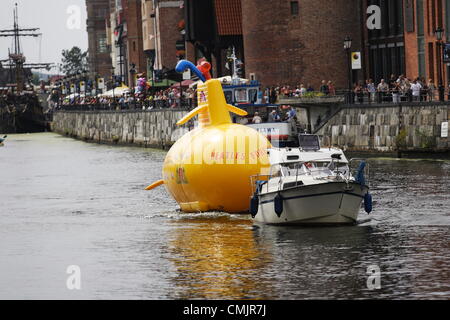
{"type": "Point", "coordinates": [347, 47]}
{"type": "Point", "coordinates": [439, 35]}
{"type": "Point", "coordinates": [113, 82]}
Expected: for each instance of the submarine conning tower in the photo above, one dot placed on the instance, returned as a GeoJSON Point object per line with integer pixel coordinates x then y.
{"type": "Point", "coordinates": [212, 107]}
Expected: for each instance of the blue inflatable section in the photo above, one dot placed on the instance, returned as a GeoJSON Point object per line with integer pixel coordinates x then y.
{"type": "Point", "coordinates": [182, 65]}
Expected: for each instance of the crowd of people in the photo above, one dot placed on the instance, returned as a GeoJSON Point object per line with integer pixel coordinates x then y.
{"type": "Point", "coordinates": [167, 98]}
{"type": "Point", "coordinates": [282, 113]}
{"type": "Point", "coordinates": [272, 94]}
{"type": "Point", "coordinates": [396, 89]}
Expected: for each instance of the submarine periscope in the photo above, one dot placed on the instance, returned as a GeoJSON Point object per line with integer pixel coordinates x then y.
{"type": "Point", "coordinates": [209, 168]}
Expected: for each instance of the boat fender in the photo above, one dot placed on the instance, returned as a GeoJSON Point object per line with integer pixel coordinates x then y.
{"type": "Point", "coordinates": [360, 174]}
{"type": "Point", "coordinates": [278, 204]}
{"type": "Point", "coordinates": [254, 203]}
{"type": "Point", "coordinates": [368, 203]}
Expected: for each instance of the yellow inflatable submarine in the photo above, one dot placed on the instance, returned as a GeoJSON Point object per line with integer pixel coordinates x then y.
{"type": "Point", "coordinates": [209, 168]}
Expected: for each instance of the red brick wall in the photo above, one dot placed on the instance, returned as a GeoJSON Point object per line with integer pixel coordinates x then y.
{"type": "Point", "coordinates": [99, 63]}
{"type": "Point", "coordinates": [411, 46]}
{"type": "Point", "coordinates": [135, 52]}
{"type": "Point", "coordinates": [285, 49]}
{"type": "Point", "coordinates": [169, 34]}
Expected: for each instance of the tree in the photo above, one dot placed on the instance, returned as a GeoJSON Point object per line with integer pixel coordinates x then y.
{"type": "Point", "coordinates": [73, 61]}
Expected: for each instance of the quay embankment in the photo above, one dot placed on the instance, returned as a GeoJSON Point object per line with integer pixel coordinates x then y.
{"type": "Point", "coordinates": [385, 128]}
{"type": "Point", "coordinates": [143, 128]}
{"type": "Point", "coordinates": [391, 129]}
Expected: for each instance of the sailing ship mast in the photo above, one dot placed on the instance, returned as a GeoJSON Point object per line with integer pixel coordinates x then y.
{"type": "Point", "coordinates": [17, 59]}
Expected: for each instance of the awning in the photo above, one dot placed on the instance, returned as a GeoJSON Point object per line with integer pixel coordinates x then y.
{"type": "Point", "coordinates": [185, 83]}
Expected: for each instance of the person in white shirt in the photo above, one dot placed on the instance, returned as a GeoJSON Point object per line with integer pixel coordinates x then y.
{"type": "Point", "coordinates": [257, 118]}
{"type": "Point", "coordinates": [415, 88]}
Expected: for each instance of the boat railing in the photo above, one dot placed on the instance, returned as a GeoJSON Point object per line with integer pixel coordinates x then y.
{"type": "Point", "coordinates": [317, 173]}
{"type": "Point", "coordinates": [258, 181]}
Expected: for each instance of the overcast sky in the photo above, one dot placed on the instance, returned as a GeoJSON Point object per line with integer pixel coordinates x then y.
{"type": "Point", "coordinates": [62, 23]}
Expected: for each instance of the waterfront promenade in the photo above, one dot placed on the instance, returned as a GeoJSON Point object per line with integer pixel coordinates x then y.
{"type": "Point", "coordinates": [387, 127]}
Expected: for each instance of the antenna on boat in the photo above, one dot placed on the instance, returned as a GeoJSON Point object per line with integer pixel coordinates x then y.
{"type": "Point", "coordinates": [234, 77]}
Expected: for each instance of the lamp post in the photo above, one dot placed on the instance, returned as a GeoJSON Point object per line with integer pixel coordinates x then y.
{"type": "Point", "coordinates": [347, 47]}
{"type": "Point", "coordinates": [439, 35]}
{"type": "Point", "coordinates": [113, 82]}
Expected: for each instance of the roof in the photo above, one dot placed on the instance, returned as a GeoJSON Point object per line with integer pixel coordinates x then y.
{"type": "Point", "coordinates": [229, 17]}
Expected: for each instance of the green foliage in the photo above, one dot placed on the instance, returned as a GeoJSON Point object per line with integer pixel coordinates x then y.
{"type": "Point", "coordinates": [311, 95]}
{"type": "Point", "coordinates": [400, 140]}
{"type": "Point", "coordinates": [35, 79]}
{"type": "Point", "coordinates": [73, 61]}
{"type": "Point", "coordinates": [426, 141]}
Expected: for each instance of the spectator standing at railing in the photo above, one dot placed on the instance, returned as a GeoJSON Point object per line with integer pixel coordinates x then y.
{"type": "Point", "coordinates": [359, 91]}
{"type": "Point", "coordinates": [392, 81]}
{"type": "Point", "coordinates": [383, 89]}
{"type": "Point", "coordinates": [424, 90]}
{"type": "Point", "coordinates": [256, 119]}
{"type": "Point", "coordinates": [324, 88]}
{"type": "Point", "coordinates": [370, 87]}
{"type": "Point", "coordinates": [331, 88]}
{"type": "Point", "coordinates": [431, 89]}
{"type": "Point", "coordinates": [310, 88]}
{"type": "Point", "coordinates": [273, 95]}
{"type": "Point", "coordinates": [416, 87]}
{"type": "Point", "coordinates": [383, 86]}
{"type": "Point", "coordinates": [396, 92]}
{"type": "Point", "coordinates": [302, 90]}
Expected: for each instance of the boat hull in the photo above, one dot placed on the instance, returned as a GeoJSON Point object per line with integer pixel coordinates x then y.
{"type": "Point", "coordinates": [324, 203]}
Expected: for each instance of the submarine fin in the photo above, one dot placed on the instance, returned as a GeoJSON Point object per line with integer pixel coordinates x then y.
{"type": "Point", "coordinates": [236, 110]}
{"type": "Point", "coordinates": [155, 184]}
{"type": "Point", "coordinates": [192, 114]}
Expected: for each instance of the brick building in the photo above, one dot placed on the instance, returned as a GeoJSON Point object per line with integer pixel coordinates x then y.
{"type": "Point", "coordinates": [127, 51]}
{"type": "Point", "coordinates": [280, 42]}
{"type": "Point", "coordinates": [293, 42]}
{"type": "Point", "coordinates": [212, 27]}
{"type": "Point", "coordinates": [423, 56]}
{"type": "Point", "coordinates": [407, 43]}
{"type": "Point", "coordinates": [99, 58]}
{"type": "Point", "coordinates": [385, 47]}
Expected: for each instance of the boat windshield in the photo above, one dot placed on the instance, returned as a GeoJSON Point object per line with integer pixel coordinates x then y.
{"type": "Point", "coordinates": [314, 168]}
{"type": "Point", "coordinates": [303, 168]}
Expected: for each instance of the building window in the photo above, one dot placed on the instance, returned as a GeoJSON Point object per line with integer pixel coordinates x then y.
{"type": "Point", "coordinates": [102, 46]}
{"type": "Point", "coordinates": [294, 8]}
{"type": "Point", "coordinates": [101, 13]}
{"type": "Point", "coordinates": [118, 4]}
{"type": "Point", "coordinates": [409, 15]}
{"type": "Point", "coordinates": [431, 60]}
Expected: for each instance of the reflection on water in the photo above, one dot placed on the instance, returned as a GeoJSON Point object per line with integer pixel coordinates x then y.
{"type": "Point", "coordinates": [66, 202]}
{"type": "Point", "coordinates": [218, 257]}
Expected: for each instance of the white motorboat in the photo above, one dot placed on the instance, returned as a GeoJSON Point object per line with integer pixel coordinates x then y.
{"type": "Point", "coordinates": [310, 185]}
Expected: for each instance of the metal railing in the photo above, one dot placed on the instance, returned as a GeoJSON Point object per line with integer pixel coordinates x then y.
{"type": "Point", "coordinates": [365, 97]}
{"type": "Point", "coordinates": [130, 105]}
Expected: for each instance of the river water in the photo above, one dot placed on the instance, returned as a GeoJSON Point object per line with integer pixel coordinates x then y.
{"type": "Point", "coordinates": [64, 202]}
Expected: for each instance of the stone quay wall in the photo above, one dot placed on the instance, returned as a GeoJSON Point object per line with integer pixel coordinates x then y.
{"type": "Point", "coordinates": [414, 127]}
{"type": "Point", "coordinates": [378, 128]}
{"type": "Point", "coordinates": [152, 128]}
